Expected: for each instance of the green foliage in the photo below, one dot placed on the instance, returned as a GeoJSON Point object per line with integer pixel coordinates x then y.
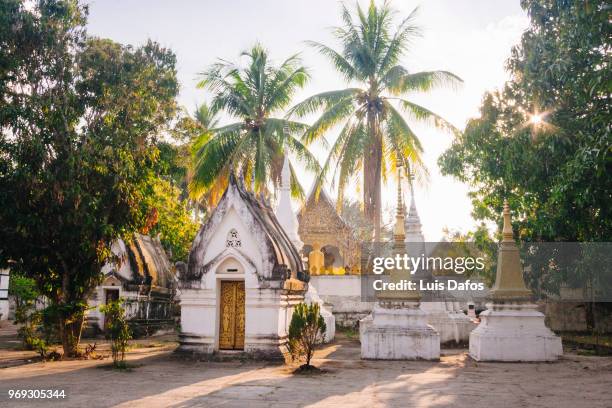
{"type": "Point", "coordinates": [556, 175]}
{"type": "Point", "coordinates": [375, 135]}
{"type": "Point", "coordinates": [477, 243]}
{"type": "Point", "coordinates": [23, 290]}
{"type": "Point", "coordinates": [254, 146]}
{"type": "Point", "coordinates": [306, 331]}
{"type": "Point", "coordinates": [173, 223]}
{"type": "Point", "coordinates": [189, 130]}
{"type": "Point", "coordinates": [116, 329]}
{"type": "Point", "coordinates": [25, 294]}
{"type": "Point", "coordinates": [79, 119]}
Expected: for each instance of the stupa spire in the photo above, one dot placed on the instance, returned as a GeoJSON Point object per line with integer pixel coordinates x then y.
{"type": "Point", "coordinates": [507, 234]}
{"type": "Point", "coordinates": [414, 231]}
{"type": "Point", "coordinates": [399, 232]}
{"type": "Point", "coordinates": [284, 212]}
{"type": "Point", "coordinates": [509, 283]}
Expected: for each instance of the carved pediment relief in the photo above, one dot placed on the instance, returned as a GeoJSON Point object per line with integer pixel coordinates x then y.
{"type": "Point", "coordinates": [111, 281]}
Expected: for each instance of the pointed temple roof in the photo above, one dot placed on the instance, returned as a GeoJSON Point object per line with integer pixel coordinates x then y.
{"type": "Point", "coordinates": [143, 261]}
{"type": "Point", "coordinates": [324, 201]}
{"type": "Point", "coordinates": [284, 212]}
{"type": "Point", "coordinates": [280, 255]}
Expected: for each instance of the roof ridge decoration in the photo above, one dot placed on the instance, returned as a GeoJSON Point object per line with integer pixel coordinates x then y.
{"type": "Point", "coordinates": [326, 199]}
{"type": "Point", "coordinates": [281, 251]}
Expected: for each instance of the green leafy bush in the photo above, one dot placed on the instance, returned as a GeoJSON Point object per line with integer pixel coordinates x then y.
{"type": "Point", "coordinates": [117, 330]}
{"type": "Point", "coordinates": [25, 294]}
{"type": "Point", "coordinates": [306, 331]}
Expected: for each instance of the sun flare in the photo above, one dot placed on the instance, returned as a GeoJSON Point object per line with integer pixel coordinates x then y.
{"type": "Point", "coordinates": [536, 119]}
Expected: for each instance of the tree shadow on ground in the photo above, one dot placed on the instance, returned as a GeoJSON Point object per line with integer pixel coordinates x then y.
{"type": "Point", "coordinates": [166, 380]}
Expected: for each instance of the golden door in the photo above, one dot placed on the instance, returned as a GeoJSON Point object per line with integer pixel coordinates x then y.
{"type": "Point", "coordinates": [231, 322]}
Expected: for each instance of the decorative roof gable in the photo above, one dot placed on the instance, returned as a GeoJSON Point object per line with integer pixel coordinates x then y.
{"type": "Point", "coordinates": [279, 255]}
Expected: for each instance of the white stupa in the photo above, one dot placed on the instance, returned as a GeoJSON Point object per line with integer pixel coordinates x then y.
{"type": "Point", "coordinates": [284, 212]}
{"type": "Point", "coordinates": [444, 315]}
{"type": "Point", "coordinates": [288, 220]}
{"type": "Point", "coordinates": [397, 328]}
{"type": "Point", "coordinates": [414, 229]}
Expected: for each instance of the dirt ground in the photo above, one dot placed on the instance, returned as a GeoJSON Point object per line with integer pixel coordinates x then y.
{"type": "Point", "coordinates": [162, 379]}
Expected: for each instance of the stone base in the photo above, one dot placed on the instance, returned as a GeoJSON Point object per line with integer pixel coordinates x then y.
{"type": "Point", "coordinates": [454, 327]}
{"type": "Point", "coordinates": [398, 331]}
{"type": "Point", "coordinates": [257, 349]}
{"type": "Point", "coordinates": [513, 332]}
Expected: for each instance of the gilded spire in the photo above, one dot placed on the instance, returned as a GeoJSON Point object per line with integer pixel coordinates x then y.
{"type": "Point", "coordinates": [509, 283]}
{"type": "Point", "coordinates": [507, 234]}
{"type": "Point", "coordinates": [399, 232]}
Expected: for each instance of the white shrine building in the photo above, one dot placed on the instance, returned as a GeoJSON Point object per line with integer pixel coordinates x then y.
{"type": "Point", "coordinates": [243, 279]}
{"type": "Point", "coordinates": [145, 279]}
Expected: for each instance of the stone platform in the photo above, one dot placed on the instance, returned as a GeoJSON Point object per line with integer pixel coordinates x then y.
{"type": "Point", "coordinates": [513, 332]}
{"type": "Point", "coordinates": [398, 331]}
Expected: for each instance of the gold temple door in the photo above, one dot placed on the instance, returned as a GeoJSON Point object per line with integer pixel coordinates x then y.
{"type": "Point", "coordinates": [231, 322]}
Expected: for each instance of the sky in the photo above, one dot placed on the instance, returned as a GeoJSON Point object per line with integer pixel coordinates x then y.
{"type": "Point", "coordinates": [471, 38]}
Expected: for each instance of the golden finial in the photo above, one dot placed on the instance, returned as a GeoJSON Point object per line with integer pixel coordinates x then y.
{"type": "Point", "coordinates": [399, 232]}
{"type": "Point", "coordinates": [400, 198]}
{"type": "Point", "coordinates": [507, 235]}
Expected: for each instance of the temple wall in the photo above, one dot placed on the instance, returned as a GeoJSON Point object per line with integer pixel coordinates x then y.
{"type": "Point", "coordinates": [343, 293]}
{"type": "Point", "coordinates": [4, 300]}
{"type": "Point", "coordinates": [268, 310]}
{"type": "Point", "coordinates": [267, 316]}
{"type": "Point", "coordinates": [572, 316]}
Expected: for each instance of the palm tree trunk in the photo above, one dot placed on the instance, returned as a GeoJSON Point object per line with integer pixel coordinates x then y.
{"type": "Point", "coordinates": [372, 174]}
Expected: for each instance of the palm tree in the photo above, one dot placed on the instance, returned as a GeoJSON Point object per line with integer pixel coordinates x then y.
{"type": "Point", "coordinates": [254, 145]}
{"type": "Point", "coordinates": [375, 136]}
{"type": "Point", "coordinates": [195, 129]}
{"type": "Point", "coordinates": [206, 116]}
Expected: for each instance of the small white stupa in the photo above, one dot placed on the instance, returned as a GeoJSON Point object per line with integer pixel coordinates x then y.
{"type": "Point", "coordinates": [397, 328]}
{"type": "Point", "coordinates": [414, 229]}
{"type": "Point", "coordinates": [288, 220]}
{"type": "Point", "coordinates": [511, 328]}
{"type": "Point", "coordinates": [445, 316]}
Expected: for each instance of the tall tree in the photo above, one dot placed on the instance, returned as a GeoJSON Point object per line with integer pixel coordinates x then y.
{"type": "Point", "coordinates": [78, 120]}
{"type": "Point", "coordinates": [544, 141]}
{"type": "Point", "coordinates": [375, 136]}
{"type": "Point", "coordinates": [191, 128]}
{"type": "Point", "coordinates": [256, 144]}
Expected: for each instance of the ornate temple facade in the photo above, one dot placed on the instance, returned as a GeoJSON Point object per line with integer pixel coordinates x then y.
{"type": "Point", "coordinates": [323, 230]}
{"type": "Point", "coordinates": [243, 279]}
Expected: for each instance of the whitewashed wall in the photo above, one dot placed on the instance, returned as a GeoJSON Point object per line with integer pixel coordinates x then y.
{"type": "Point", "coordinates": [4, 302]}
{"type": "Point", "coordinates": [343, 293]}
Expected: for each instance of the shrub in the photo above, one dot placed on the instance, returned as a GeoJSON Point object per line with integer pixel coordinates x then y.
{"type": "Point", "coordinates": [25, 294]}
{"type": "Point", "coordinates": [117, 330]}
{"type": "Point", "coordinates": [306, 331]}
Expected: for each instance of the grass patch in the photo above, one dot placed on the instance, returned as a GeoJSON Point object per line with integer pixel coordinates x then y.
{"type": "Point", "coordinates": [603, 340]}
{"type": "Point", "coordinates": [587, 344]}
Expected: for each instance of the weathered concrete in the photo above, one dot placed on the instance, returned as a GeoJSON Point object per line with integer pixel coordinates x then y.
{"type": "Point", "coordinates": [343, 293]}
{"type": "Point", "coordinates": [452, 325]}
{"type": "Point", "coordinates": [398, 331]}
{"type": "Point", "coordinates": [513, 332]}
